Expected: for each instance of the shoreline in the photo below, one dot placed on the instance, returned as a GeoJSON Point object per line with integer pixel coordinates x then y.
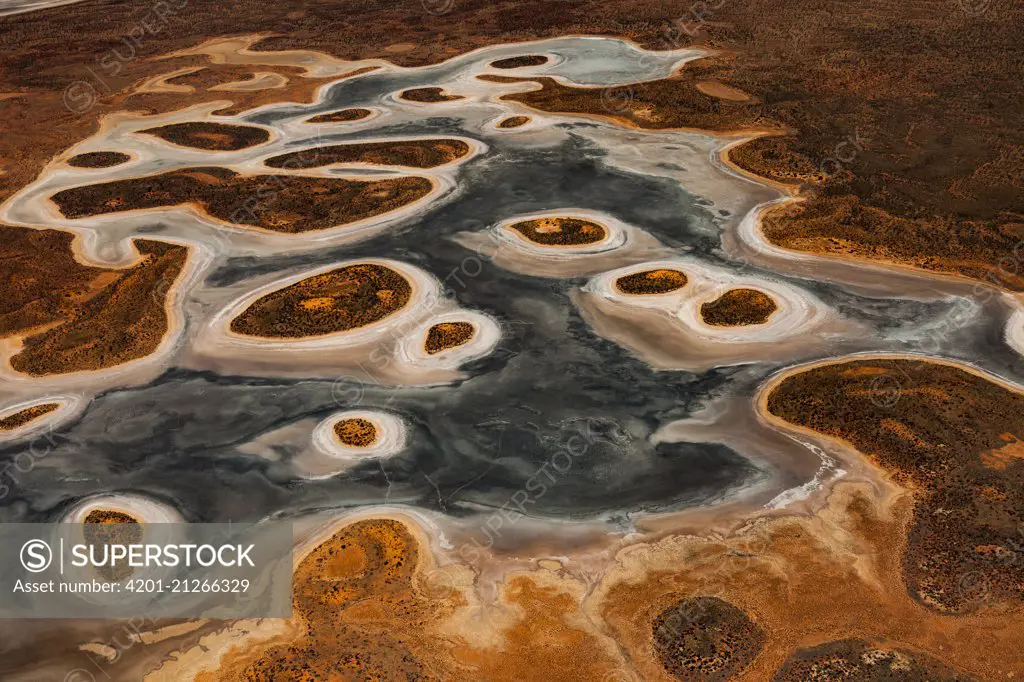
{"type": "Point", "coordinates": [197, 261]}
{"type": "Point", "coordinates": [419, 281]}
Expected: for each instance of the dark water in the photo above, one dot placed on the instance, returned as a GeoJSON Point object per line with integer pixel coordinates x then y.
{"type": "Point", "coordinates": [556, 419]}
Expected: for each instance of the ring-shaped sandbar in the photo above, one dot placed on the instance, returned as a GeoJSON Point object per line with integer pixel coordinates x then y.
{"type": "Point", "coordinates": [797, 310]}
{"type": "Point", "coordinates": [66, 407]}
{"type": "Point", "coordinates": [424, 290]}
{"type": "Point", "coordinates": [142, 509]}
{"type": "Point", "coordinates": [616, 234]}
{"type": "Point", "coordinates": [319, 156]}
{"type": "Point", "coordinates": [667, 330]}
{"type": "Point", "coordinates": [486, 334]}
{"type": "Point", "coordinates": [154, 521]}
{"type": "Point", "coordinates": [391, 436]}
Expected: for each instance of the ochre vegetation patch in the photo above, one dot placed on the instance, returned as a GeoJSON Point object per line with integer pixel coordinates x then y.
{"type": "Point", "coordinates": [282, 203]}
{"type": "Point", "coordinates": [214, 137]}
{"type": "Point", "coordinates": [109, 516]}
{"type": "Point", "coordinates": [705, 639]}
{"type": "Point", "coordinates": [520, 62]}
{"type": "Point", "coordinates": [341, 116]}
{"type": "Point", "coordinates": [92, 318]}
{"type": "Point", "coordinates": [363, 610]}
{"type": "Point", "coordinates": [29, 414]}
{"type": "Point", "coordinates": [560, 231]}
{"type": "Point", "coordinates": [952, 423]}
{"type": "Point", "coordinates": [98, 159]}
{"type": "Point", "coordinates": [445, 335]}
{"type": "Point", "coordinates": [650, 282]}
{"type": "Point", "coordinates": [356, 432]}
{"type": "Point", "coordinates": [110, 527]}
{"type": "Point", "coordinates": [347, 298]}
{"type": "Point", "coordinates": [853, 660]}
{"type": "Point", "coordinates": [513, 122]}
{"type": "Point", "coordinates": [410, 153]}
{"type": "Point", "coordinates": [738, 307]}
{"type": "Point", "coordinates": [428, 95]}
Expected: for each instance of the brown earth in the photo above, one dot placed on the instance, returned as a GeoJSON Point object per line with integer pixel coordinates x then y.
{"type": "Point", "coordinates": [801, 580]}
{"type": "Point", "coordinates": [855, 660]}
{"type": "Point", "coordinates": [356, 432]}
{"type": "Point", "coordinates": [904, 120]}
{"type": "Point", "coordinates": [109, 516]}
{"type": "Point", "coordinates": [187, 80]}
{"type": "Point", "coordinates": [651, 282]}
{"type": "Point", "coordinates": [409, 153]}
{"type": "Point", "coordinates": [738, 307]}
{"type": "Point", "coordinates": [909, 113]}
{"type": "Point", "coordinates": [29, 414]}
{"type": "Point", "coordinates": [372, 608]}
{"type": "Point", "coordinates": [560, 231]}
{"type": "Point", "coordinates": [513, 122]}
{"type": "Point", "coordinates": [362, 610]}
{"type": "Point", "coordinates": [445, 335]}
{"type": "Point", "coordinates": [42, 282]}
{"type": "Point", "coordinates": [214, 137]}
{"type": "Point", "coordinates": [520, 61]}
{"type": "Point", "coordinates": [282, 203]}
{"type": "Point", "coordinates": [921, 102]}
{"type": "Point", "coordinates": [806, 579]}
{"type": "Point", "coordinates": [705, 639]}
{"type": "Point", "coordinates": [342, 116]}
{"type": "Point", "coordinates": [98, 159]}
{"type": "Point", "coordinates": [935, 429]}
{"type": "Point", "coordinates": [90, 318]}
{"type": "Point", "coordinates": [335, 301]}
{"type": "Point", "coordinates": [428, 95]}
{"type": "Point", "coordinates": [673, 102]}
{"type": "Point", "coordinates": [989, 251]}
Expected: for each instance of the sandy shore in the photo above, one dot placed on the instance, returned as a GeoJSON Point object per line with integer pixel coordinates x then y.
{"type": "Point", "coordinates": [377, 353]}
{"type": "Point", "coordinates": [69, 407]}
{"type": "Point", "coordinates": [391, 439]}
{"type": "Point", "coordinates": [668, 331]}
{"type": "Point", "coordinates": [139, 370]}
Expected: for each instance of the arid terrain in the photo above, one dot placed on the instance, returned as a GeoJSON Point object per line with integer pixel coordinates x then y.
{"type": "Point", "coordinates": [222, 193]}
{"type": "Point", "coordinates": [948, 435]}
{"type": "Point", "coordinates": [411, 153]}
{"type": "Point", "coordinates": [768, 253]}
{"type": "Point", "coordinates": [216, 137]}
{"type": "Point", "coordinates": [739, 307]}
{"type": "Point", "coordinates": [865, 108]}
{"type": "Point", "coordinates": [513, 122]}
{"type": "Point", "coordinates": [340, 300]}
{"type": "Point", "coordinates": [560, 231]}
{"type": "Point", "coordinates": [26, 416]}
{"type": "Point", "coordinates": [428, 95]}
{"type": "Point", "coordinates": [342, 116]}
{"type": "Point", "coordinates": [650, 282]}
{"type": "Point", "coordinates": [871, 136]}
{"type": "Point", "coordinates": [445, 335]}
{"type": "Point", "coordinates": [356, 432]}
{"type": "Point", "coordinates": [98, 159]}
{"type": "Point", "coordinates": [95, 318]}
